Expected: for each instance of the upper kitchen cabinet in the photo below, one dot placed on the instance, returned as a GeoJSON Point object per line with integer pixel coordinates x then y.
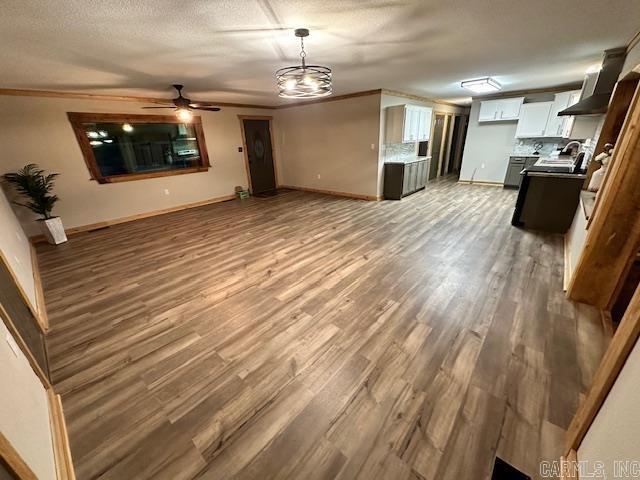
{"type": "Point", "coordinates": [501, 110]}
{"type": "Point", "coordinates": [407, 123]}
{"type": "Point", "coordinates": [533, 119]}
{"type": "Point", "coordinates": [561, 126]}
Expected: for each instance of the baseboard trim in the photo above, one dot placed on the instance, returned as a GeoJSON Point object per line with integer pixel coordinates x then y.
{"type": "Point", "coordinates": [116, 221]}
{"type": "Point", "coordinates": [566, 278]}
{"type": "Point", "coordinates": [60, 436]}
{"type": "Point", "coordinates": [357, 196]}
{"type": "Point", "coordinates": [43, 318]}
{"type": "Point", "coordinates": [14, 461]}
{"type": "Point", "coordinates": [482, 184]}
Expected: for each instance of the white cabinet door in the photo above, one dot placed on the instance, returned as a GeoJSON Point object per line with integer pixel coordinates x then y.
{"type": "Point", "coordinates": [555, 124]}
{"type": "Point", "coordinates": [533, 119]}
{"type": "Point", "coordinates": [410, 127]}
{"type": "Point", "coordinates": [510, 108]}
{"type": "Point", "coordinates": [489, 111]}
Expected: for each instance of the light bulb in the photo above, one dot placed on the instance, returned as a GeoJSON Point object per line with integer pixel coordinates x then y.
{"type": "Point", "coordinates": [290, 84]}
{"type": "Point", "coordinates": [184, 114]}
{"type": "Point", "coordinates": [127, 127]}
{"type": "Point", "coordinates": [93, 134]}
{"type": "Point", "coordinates": [95, 143]}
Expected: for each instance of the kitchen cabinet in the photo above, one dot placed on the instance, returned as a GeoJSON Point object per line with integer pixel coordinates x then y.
{"type": "Point", "coordinates": [500, 110]}
{"type": "Point", "coordinates": [404, 178]}
{"type": "Point", "coordinates": [561, 126]}
{"type": "Point", "coordinates": [533, 119]}
{"type": "Point", "coordinates": [516, 164]}
{"type": "Point", "coordinates": [407, 123]}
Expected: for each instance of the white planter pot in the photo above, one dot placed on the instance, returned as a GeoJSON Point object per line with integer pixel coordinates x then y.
{"type": "Point", "coordinates": [53, 230]}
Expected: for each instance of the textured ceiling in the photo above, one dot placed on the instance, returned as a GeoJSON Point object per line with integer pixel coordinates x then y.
{"type": "Point", "coordinates": [227, 50]}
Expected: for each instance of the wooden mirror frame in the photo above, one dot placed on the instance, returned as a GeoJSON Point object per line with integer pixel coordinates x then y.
{"type": "Point", "coordinates": [77, 120]}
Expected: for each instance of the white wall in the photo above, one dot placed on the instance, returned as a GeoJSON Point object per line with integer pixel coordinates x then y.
{"type": "Point", "coordinates": [613, 435]}
{"type": "Point", "coordinates": [16, 249]}
{"type": "Point", "coordinates": [36, 130]}
{"type": "Point", "coordinates": [328, 145]}
{"type": "Point", "coordinates": [489, 145]}
{"type": "Point", "coordinates": [24, 409]}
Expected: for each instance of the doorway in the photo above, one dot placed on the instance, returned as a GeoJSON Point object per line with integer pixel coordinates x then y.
{"type": "Point", "coordinates": [436, 146]}
{"type": "Point", "coordinates": [258, 148]}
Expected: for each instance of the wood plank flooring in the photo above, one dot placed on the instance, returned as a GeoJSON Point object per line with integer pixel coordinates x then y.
{"type": "Point", "coordinates": [307, 336]}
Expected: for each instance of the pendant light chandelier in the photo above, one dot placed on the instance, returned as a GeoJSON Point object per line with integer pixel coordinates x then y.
{"type": "Point", "coordinates": [304, 81]}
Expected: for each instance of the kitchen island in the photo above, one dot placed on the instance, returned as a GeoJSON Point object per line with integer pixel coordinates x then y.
{"type": "Point", "coordinates": [547, 201]}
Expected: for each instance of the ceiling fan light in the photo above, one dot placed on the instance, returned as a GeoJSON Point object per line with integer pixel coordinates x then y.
{"type": "Point", "coordinates": [127, 127]}
{"type": "Point", "coordinates": [482, 85]}
{"type": "Point", "coordinates": [184, 114]}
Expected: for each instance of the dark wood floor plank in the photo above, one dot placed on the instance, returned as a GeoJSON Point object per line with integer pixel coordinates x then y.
{"type": "Point", "coordinates": [308, 336]}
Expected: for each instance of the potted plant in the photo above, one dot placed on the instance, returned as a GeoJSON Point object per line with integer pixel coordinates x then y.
{"type": "Point", "coordinates": [32, 182]}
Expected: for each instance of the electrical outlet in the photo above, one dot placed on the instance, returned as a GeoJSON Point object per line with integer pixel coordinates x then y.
{"type": "Point", "coordinates": [318, 176]}
{"type": "Point", "coordinates": [482, 165]}
{"type": "Point", "coordinates": [166, 191]}
{"type": "Point", "coordinates": [373, 146]}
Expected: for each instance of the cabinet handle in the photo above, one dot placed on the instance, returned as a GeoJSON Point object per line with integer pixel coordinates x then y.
{"type": "Point", "coordinates": [542, 132]}
{"type": "Point", "coordinates": [495, 114]}
{"type": "Point", "coordinates": [560, 129]}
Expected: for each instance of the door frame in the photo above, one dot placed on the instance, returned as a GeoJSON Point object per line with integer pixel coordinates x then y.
{"type": "Point", "coordinates": [241, 119]}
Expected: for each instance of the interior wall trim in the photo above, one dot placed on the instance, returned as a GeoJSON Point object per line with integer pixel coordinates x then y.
{"type": "Point", "coordinates": [410, 96]}
{"type": "Point", "coordinates": [14, 461]}
{"type": "Point", "coordinates": [4, 315]}
{"type": "Point", "coordinates": [41, 321]}
{"type": "Point", "coordinates": [95, 226]}
{"type": "Point", "coordinates": [612, 363]}
{"type": "Point", "coordinates": [43, 318]}
{"type": "Point", "coordinates": [60, 436]}
{"type": "Point", "coordinates": [357, 196]}
{"type": "Point", "coordinates": [17, 92]}
{"type": "Point", "coordinates": [482, 184]}
{"type": "Point", "coordinates": [333, 98]}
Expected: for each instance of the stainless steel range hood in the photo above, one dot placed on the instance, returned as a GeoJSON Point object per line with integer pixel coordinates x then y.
{"type": "Point", "coordinates": [596, 101]}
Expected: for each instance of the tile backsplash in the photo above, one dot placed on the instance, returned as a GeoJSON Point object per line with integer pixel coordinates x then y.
{"type": "Point", "coordinates": [525, 146]}
{"type": "Point", "coordinates": [394, 152]}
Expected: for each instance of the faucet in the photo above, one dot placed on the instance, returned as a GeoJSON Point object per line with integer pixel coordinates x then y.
{"type": "Point", "coordinates": [566, 147]}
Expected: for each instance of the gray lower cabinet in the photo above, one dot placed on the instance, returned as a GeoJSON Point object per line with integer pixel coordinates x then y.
{"type": "Point", "coordinates": [516, 164]}
{"type": "Point", "coordinates": [402, 179]}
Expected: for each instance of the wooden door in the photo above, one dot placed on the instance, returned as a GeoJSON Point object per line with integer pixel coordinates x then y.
{"type": "Point", "coordinates": [436, 146]}
{"type": "Point", "coordinates": [257, 136]}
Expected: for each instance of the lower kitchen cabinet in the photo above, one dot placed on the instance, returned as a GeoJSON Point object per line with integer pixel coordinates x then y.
{"type": "Point", "coordinates": [516, 164]}
{"type": "Point", "coordinates": [404, 178]}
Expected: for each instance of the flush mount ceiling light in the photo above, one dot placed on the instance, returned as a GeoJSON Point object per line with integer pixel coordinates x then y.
{"type": "Point", "coordinates": [482, 85]}
{"type": "Point", "coordinates": [304, 81]}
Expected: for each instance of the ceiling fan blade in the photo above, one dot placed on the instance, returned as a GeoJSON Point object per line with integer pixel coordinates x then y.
{"type": "Point", "coordinates": [210, 109]}
{"type": "Point", "coordinates": [161, 107]}
{"type": "Point", "coordinates": [201, 104]}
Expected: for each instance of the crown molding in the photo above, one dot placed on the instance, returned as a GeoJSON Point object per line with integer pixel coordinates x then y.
{"type": "Point", "coordinates": [335, 98]}
{"type": "Point", "coordinates": [520, 93]}
{"type": "Point", "coordinates": [118, 98]}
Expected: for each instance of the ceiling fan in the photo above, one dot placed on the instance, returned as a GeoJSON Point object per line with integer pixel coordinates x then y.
{"type": "Point", "coordinates": [183, 105]}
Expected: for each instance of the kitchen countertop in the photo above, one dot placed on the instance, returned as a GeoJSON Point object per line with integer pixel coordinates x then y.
{"type": "Point", "coordinates": [557, 175]}
{"type": "Point", "coordinates": [410, 160]}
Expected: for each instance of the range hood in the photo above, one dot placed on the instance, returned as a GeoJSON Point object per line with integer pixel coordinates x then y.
{"type": "Point", "coordinates": [595, 97]}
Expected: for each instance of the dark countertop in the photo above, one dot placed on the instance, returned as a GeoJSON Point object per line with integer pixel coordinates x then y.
{"type": "Point", "coordinates": [556, 175]}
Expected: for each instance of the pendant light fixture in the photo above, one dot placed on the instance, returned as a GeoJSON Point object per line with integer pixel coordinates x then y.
{"type": "Point", "coordinates": [304, 81]}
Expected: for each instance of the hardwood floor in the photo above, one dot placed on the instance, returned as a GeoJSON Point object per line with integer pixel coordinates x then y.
{"type": "Point", "coordinates": [307, 336]}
